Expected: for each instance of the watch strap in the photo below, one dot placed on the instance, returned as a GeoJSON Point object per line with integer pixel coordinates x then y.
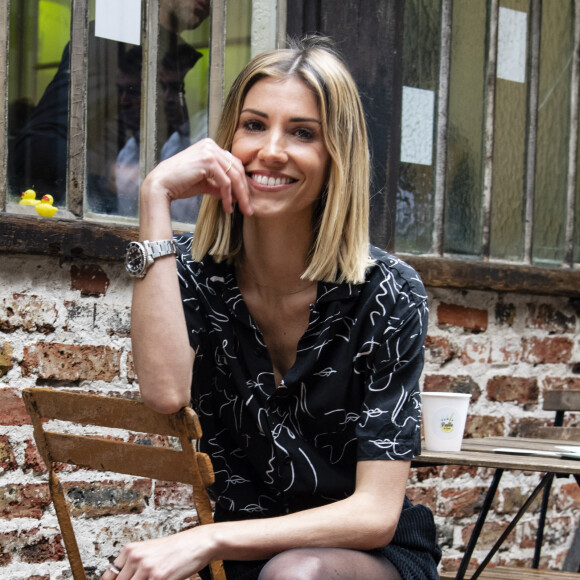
{"type": "Point", "coordinates": [161, 248]}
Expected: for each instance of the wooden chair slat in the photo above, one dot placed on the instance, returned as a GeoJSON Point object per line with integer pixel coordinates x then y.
{"type": "Point", "coordinates": [118, 456]}
{"type": "Point", "coordinates": [185, 465]}
{"type": "Point", "coordinates": [562, 400]}
{"type": "Point", "coordinates": [111, 412]}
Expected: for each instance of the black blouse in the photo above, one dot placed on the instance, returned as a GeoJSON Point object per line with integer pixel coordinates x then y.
{"type": "Point", "coordinates": [352, 394]}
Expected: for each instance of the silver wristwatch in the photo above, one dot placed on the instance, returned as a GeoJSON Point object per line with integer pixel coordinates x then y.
{"type": "Point", "coordinates": [140, 255]}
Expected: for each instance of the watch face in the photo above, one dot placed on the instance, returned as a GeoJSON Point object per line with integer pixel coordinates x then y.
{"type": "Point", "coordinates": [135, 259]}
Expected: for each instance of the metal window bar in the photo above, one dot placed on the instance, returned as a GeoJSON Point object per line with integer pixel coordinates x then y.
{"type": "Point", "coordinates": [573, 143]}
{"type": "Point", "coordinates": [532, 139]}
{"type": "Point", "coordinates": [217, 63]}
{"type": "Point", "coordinates": [76, 158]}
{"type": "Point", "coordinates": [442, 127]}
{"type": "Point", "coordinates": [490, 85]}
{"type": "Point", "coordinates": [149, 150]}
{"type": "Point", "coordinates": [4, 33]}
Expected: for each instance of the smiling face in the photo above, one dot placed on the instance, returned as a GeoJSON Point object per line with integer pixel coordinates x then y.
{"type": "Point", "coordinates": [279, 140]}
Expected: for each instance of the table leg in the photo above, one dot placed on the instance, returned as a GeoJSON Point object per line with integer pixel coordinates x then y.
{"type": "Point", "coordinates": [546, 480]}
{"type": "Point", "coordinates": [479, 524]}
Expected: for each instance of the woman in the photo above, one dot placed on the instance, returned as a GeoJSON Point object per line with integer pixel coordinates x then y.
{"type": "Point", "coordinates": [298, 344]}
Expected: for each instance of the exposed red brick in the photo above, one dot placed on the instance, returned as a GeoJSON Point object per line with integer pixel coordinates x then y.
{"type": "Point", "coordinates": [6, 362]}
{"type": "Point", "coordinates": [484, 426]}
{"type": "Point", "coordinates": [561, 383]}
{"type": "Point", "coordinates": [131, 372]}
{"type": "Point", "coordinates": [12, 410]}
{"type": "Point", "coordinates": [568, 497]}
{"type": "Point", "coordinates": [519, 389]}
{"type": "Point", "coordinates": [490, 532]}
{"type": "Point", "coordinates": [505, 314]}
{"type": "Point", "coordinates": [6, 549]}
{"type": "Point", "coordinates": [552, 320]}
{"type": "Point", "coordinates": [438, 349]}
{"type": "Point", "coordinates": [426, 496]}
{"type": "Point", "coordinates": [7, 459]}
{"type": "Point", "coordinates": [475, 351]}
{"type": "Point", "coordinates": [23, 501]}
{"type": "Point", "coordinates": [90, 279]}
{"type": "Point", "coordinates": [32, 459]}
{"type": "Point", "coordinates": [514, 498]}
{"type": "Point", "coordinates": [173, 495]}
{"type": "Point", "coordinates": [506, 351]}
{"type": "Point", "coordinates": [29, 313]}
{"type": "Point", "coordinates": [103, 498]}
{"type": "Point", "coordinates": [451, 384]}
{"type": "Point", "coordinates": [527, 426]}
{"type": "Point", "coordinates": [473, 319]}
{"type": "Point", "coordinates": [71, 362]}
{"type": "Point", "coordinates": [551, 350]}
{"type": "Point", "coordinates": [43, 549]}
{"type": "Point", "coordinates": [454, 471]}
{"type": "Point", "coordinates": [460, 503]}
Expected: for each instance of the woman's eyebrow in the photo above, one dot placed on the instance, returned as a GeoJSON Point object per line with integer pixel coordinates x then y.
{"type": "Point", "coordinates": [292, 120]}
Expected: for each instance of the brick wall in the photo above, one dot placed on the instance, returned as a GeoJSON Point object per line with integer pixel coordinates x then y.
{"type": "Point", "coordinates": [67, 326]}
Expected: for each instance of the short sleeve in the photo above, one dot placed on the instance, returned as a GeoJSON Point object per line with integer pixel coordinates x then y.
{"type": "Point", "coordinates": [190, 274]}
{"type": "Point", "coordinates": [390, 425]}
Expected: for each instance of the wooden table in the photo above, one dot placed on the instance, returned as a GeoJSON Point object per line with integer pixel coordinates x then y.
{"type": "Point", "coordinates": [526, 456]}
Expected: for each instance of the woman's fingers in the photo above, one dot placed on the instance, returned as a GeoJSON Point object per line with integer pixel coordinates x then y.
{"type": "Point", "coordinates": [238, 190]}
{"type": "Point", "coordinates": [206, 168]}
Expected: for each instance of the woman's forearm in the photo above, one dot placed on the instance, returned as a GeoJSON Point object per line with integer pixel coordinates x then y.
{"type": "Point", "coordinates": [363, 521]}
{"type": "Point", "coordinates": [162, 355]}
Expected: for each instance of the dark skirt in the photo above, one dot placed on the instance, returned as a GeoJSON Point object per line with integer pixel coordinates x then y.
{"type": "Point", "coordinates": [413, 550]}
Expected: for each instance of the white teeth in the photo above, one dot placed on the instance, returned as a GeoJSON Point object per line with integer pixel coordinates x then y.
{"type": "Point", "coordinates": [270, 181]}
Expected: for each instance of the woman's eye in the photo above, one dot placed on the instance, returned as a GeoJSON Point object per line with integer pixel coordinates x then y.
{"type": "Point", "coordinates": [253, 125]}
{"type": "Point", "coordinates": [303, 133]}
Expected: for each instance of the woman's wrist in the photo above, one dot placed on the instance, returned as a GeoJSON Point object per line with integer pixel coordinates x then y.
{"type": "Point", "coordinates": [154, 212]}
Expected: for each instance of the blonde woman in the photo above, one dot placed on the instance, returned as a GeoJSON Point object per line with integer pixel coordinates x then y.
{"type": "Point", "coordinates": [299, 345]}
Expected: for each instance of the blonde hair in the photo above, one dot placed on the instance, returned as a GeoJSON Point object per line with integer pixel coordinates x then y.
{"type": "Point", "coordinates": [340, 243]}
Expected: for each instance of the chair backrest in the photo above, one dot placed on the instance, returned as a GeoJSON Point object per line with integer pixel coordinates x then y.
{"type": "Point", "coordinates": [164, 463]}
{"type": "Point", "coordinates": [561, 402]}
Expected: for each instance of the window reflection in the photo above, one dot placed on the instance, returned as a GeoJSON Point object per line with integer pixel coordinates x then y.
{"type": "Point", "coordinates": [38, 97]}
{"type": "Point", "coordinates": [114, 121]}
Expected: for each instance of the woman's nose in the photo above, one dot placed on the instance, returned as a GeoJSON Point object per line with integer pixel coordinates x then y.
{"type": "Point", "coordinates": [273, 148]}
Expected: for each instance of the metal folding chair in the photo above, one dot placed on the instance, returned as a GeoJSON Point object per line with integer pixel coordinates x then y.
{"type": "Point", "coordinates": [186, 465]}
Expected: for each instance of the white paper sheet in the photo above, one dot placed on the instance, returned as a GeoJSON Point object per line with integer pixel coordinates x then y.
{"type": "Point", "coordinates": [118, 20]}
{"type": "Point", "coordinates": [417, 126]}
{"type": "Point", "coordinates": [511, 45]}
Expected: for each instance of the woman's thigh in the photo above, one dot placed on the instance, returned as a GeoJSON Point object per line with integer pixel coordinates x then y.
{"type": "Point", "coordinates": [328, 563]}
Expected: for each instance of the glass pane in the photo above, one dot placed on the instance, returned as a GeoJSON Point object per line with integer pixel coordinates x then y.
{"type": "Point", "coordinates": [553, 131]}
{"type": "Point", "coordinates": [183, 69]}
{"type": "Point", "coordinates": [465, 132]}
{"type": "Point", "coordinates": [38, 100]}
{"type": "Point", "coordinates": [420, 71]}
{"type": "Point", "coordinates": [507, 214]}
{"type": "Point", "coordinates": [113, 125]}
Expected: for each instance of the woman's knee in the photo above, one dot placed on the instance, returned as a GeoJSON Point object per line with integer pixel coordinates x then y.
{"type": "Point", "coordinates": [299, 564]}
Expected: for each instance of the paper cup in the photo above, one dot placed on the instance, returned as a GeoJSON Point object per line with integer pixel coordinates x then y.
{"type": "Point", "coordinates": [444, 416]}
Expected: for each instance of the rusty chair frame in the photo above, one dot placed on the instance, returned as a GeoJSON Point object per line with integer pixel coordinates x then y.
{"type": "Point", "coordinates": [186, 465]}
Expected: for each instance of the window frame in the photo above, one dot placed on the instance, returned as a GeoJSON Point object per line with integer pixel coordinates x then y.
{"type": "Point", "coordinates": [84, 238]}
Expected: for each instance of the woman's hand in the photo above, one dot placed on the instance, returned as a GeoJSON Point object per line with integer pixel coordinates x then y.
{"type": "Point", "coordinates": [174, 557]}
{"type": "Point", "coordinates": [203, 168]}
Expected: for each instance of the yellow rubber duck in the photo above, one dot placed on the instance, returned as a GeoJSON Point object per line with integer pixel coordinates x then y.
{"type": "Point", "coordinates": [29, 198]}
{"type": "Point", "coordinates": [45, 207]}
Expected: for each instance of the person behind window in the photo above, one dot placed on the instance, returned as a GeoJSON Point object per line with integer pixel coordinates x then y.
{"type": "Point", "coordinates": [39, 155]}
{"type": "Point", "coordinates": [299, 345]}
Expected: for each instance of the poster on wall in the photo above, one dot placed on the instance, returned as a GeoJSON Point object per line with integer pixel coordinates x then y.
{"type": "Point", "coordinates": [120, 21]}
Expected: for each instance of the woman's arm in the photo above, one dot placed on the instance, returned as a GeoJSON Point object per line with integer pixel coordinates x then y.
{"type": "Point", "coordinates": [365, 520]}
{"type": "Point", "coordinates": [161, 351]}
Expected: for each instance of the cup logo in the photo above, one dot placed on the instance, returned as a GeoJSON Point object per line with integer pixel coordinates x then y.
{"type": "Point", "coordinates": [446, 422]}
